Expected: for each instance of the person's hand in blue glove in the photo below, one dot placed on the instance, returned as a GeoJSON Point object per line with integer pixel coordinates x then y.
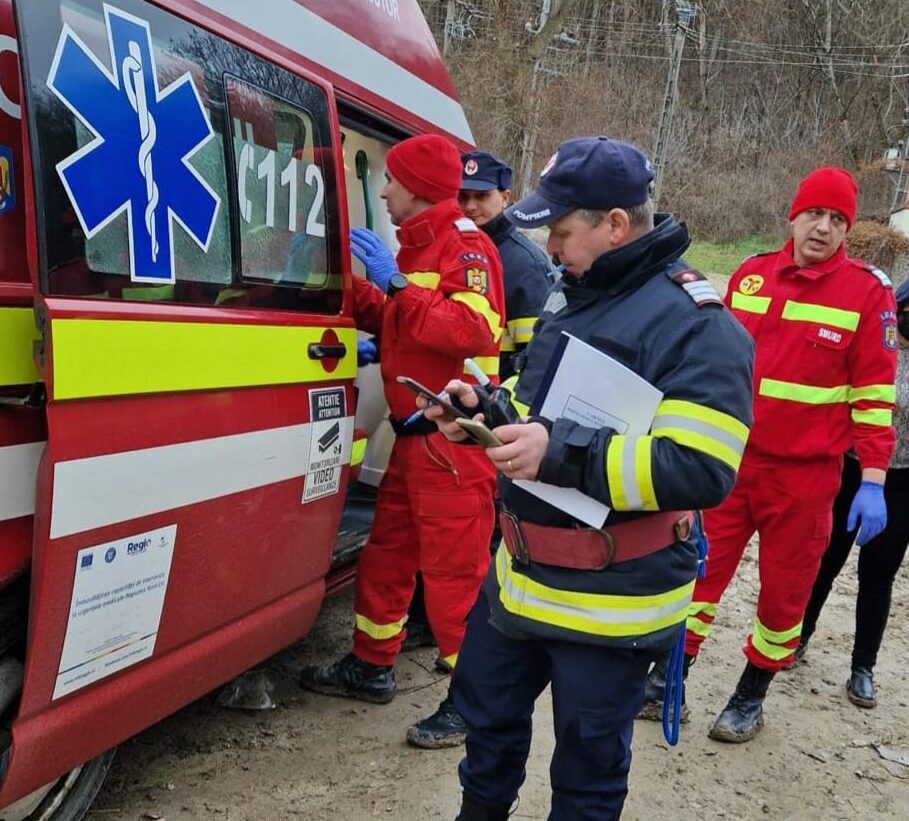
{"type": "Point", "coordinates": [367, 352]}
{"type": "Point", "coordinates": [367, 246]}
{"type": "Point", "coordinates": [868, 510]}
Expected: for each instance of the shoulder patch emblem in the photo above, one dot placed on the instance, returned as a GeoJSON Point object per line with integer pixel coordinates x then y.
{"type": "Point", "coordinates": [878, 274]}
{"type": "Point", "coordinates": [555, 302]}
{"type": "Point", "coordinates": [477, 280]}
{"type": "Point", "coordinates": [890, 339]}
{"type": "Point", "coordinates": [696, 285]}
{"type": "Point", "coordinates": [465, 224]}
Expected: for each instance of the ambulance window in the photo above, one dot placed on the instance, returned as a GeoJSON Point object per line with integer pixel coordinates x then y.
{"type": "Point", "coordinates": [135, 163]}
{"type": "Point", "coordinates": [281, 160]}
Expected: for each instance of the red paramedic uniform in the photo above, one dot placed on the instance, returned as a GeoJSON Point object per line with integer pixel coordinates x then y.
{"type": "Point", "coordinates": [823, 382]}
{"type": "Point", "coordinates": [434, 511]}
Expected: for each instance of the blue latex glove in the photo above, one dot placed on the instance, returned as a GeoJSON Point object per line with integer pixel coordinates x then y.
{"type": "Point", "coordinates": [367, 246]}
{"type": "Point", "coordinates": [367, 352]}
{"type": "Point", "coordinates": [869, 509]}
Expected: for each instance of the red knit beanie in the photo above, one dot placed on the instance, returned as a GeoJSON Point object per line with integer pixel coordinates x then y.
{"type": "Point", "coordinates": [827, 187]}
{"type": "Point", "coordinates": [429, 166]}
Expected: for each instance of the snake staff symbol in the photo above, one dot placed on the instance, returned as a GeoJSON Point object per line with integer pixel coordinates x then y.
{"type": "Point", "coordinates": [139, 160]}
{"type": "Point", "coordinates": [134, 83]}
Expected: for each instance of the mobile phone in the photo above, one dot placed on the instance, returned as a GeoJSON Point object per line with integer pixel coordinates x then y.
{"type": "Point", "coordinates": [434, 398]}
{"type": "Point", "coordinates": [480, 433]}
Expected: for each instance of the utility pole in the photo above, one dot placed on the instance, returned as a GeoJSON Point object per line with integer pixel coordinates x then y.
{"type": "Point", "coordinates": [685, 14]}
{"type": "Point", "coordinates": [901, 155]}
{"type": "Point", "coordinates": [449, 22]}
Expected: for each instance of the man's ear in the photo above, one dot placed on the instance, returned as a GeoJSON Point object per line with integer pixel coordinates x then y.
{"type": "Point", "coordinates": [619, 226]}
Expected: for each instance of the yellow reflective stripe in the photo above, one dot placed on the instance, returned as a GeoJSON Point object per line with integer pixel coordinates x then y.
{"type": "Point", "coordinates": [703, 413]}
{"type": "Point", "coordinates": [150, 293]}
{"type": "Point", "coordinates": [114, 357]}
{"type": "Point", "coordinates": [593, 613]}
{"type": "Point", "coordinates": [481, 305]}
{"type": "Point", "coordinates": [379, 632]}
{"type": "Point", "coordinates": [873, 393]}
{"type": "Point", "coordinates": [488, 364]}
{"type": "Point", "coordinates": [777, 637]}
{"type": "Point", "coordinates": [809, 394]}
{"type": "Point", "coordinates": [17, 333]}
{"type": "Point", "coordinates": [705, 444]}
{"type": "Point", "coordinates": [507, 343]}
{"type": "Point", "coordinates": [771, 643]}
{"type": "Point", "coordinates": [424, 279]}
{"type": "Point", "coordinates": [750, 304]}
{"type": "Point", "coordinates": [643, 473]}
{"type": "Point", "coordinates": [357, 451]}
{"type": "Point", "coordinates": [451, 660]}
{"type": "Point", "coordinates": [808, 312]}
{"type": "Point", "coordinates": [521, 329]}
{"type": "Point", "coordinates": [706, 607]}
{"type": "Point", "coordinates": [614, 472]}
{"type": "Point", "coordinates": [512, 384]}
{"type": "Point", "coordinates": [874, 416]}
{"type": "Point", "coordinates": [698, 627]}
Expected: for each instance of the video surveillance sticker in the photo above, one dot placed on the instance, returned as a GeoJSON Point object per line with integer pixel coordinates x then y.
{"type": "Point", "coordinates": [330, 431]}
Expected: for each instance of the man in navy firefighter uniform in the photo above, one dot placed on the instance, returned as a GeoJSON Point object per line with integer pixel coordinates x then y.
{"type": "Point", "coordinates": [560, 605]}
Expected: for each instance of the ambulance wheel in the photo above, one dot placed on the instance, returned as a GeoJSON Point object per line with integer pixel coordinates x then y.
{"type": "Point", "coordinates": [69, 798]}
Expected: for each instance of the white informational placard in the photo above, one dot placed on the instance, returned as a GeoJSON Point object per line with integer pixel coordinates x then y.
{"type": "Point", "coordinates": [329, 444]}
{"type": "Point", "coordinates": [115, 611]}
{"type": "Point", "coordinates": [594, 390]}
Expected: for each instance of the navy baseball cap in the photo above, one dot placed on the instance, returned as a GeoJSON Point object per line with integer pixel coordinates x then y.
{"type": "Point", "coordinates": [482, 171]}
{"type": "Point", "coordinates": [902, 294]}
{"type": "Point", "coordinates": [585, 172]}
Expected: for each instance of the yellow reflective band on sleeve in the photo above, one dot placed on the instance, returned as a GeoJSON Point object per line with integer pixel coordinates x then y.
{"type": "Point", "coordinates": [643, 474]}
{"type": "Point", "coordinates": [771, 643]}
{"type": "Point", "coordinates": [702, 428]}
{"type": "Point", "coordinates": [808, 312]}
{"type": "Point", "coordinates": [750, 304]}
{"type": "Point", "coordinates": [809, 394]}
{"type": "Point", "coordinates": [521, 329]}
{"type": "Point", "coordinates": [150, 293]}
{"type": "Point", "coordinates": [507, 344]}
{"type": "Point", "coordinates": [597, 614]}
{"type": "Point", "coordinates": [698, 627]}
{"type": "Point", "coordinates": [424, 279]}
{"type": "Point", "coordinates": [488, 364]}
{"type": "Point", "coordinates": [512, 385]}
{"type": "Point", "coordinates": [873, 393]}
{"type": "Point", "coordinates": [874, 416]}
{"type": "Point", "coordinates": [379, 632]}
{"type": "Point", "coordinates": [114, 357]}
{"type": "Point", "coordinates": [481, 305]}
{"type": "Point", "coordinates": [614, 472]}
{"type": "Point", "coordinates": [17, 333]}
{"type": "Point", "coordinates": [357, 452]}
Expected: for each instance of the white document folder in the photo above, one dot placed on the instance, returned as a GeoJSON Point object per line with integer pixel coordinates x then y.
{"type": "Point", "coordinates": [594, 390]}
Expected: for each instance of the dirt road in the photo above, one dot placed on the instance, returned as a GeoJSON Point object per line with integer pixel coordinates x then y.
{"type": "Point", "coordinates": [321, 759]}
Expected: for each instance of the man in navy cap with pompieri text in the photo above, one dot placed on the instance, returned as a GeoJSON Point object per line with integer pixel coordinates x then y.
{"type": "Point", "coordinates": [587, 610]}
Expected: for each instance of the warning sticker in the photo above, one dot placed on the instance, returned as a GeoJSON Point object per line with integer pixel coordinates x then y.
{"type": "Point", "coordinates": [115, 610]}
{"type": "Point", "coordinates": [328, 412]}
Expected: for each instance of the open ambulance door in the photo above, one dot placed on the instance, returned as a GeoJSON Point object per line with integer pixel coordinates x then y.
{"type": "Point", "coordinates": [198, 356]}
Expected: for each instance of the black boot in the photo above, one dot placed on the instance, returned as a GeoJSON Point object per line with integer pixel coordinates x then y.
{"type": "Point", "coordinates": [743, 716]}
{"type": "Point", "coordinates": [444, 728]}
{"type": "Point", "coordinates": [353, 678]}
{"type": "Point", "coordinates": [475, 809]}
{"type": "Point", "coordinates": [860, 687]}
{"type": "Point", "coordinates": [655, 687]}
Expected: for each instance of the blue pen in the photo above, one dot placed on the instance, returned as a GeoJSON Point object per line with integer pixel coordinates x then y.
{"type": "Point", "coordinates": [557, 270]}
{"type": "Point", "coordinates": [417, 414]}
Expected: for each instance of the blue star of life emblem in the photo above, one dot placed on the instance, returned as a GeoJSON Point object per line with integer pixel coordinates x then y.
{"type": "Point", "coordinates": [143, 139]}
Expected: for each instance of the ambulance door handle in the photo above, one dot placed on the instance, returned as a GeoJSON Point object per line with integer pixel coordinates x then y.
{"type": "Point", "coordinates": [317, 350]}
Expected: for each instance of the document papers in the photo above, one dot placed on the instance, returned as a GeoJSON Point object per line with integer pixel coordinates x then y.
{"type": "Point", "coordinates": [591, 388]}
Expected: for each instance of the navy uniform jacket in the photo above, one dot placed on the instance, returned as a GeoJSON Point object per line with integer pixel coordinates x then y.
{"type": "Point", "coordinates": [527, 283]}
{"type": "Point", "coordinates": [643, 306]}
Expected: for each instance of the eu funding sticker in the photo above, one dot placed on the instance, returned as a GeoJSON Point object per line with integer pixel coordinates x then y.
{"type": "Point", "coordinates": [330, 434]}
{"type": "Point", "coordinates": [118, 596]}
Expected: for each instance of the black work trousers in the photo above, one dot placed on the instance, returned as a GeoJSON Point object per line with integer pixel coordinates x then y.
{"type": "Point", "coordinates": [879, 561]}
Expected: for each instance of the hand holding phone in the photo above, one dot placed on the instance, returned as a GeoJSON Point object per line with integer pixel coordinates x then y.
{"type": "Point", "coordinates": [480, 433]}
{"type": "Point", "coordinates": [433, 398]}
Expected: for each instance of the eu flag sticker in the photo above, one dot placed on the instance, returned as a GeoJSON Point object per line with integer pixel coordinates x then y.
{"type": "Point", "coordinates": [7, 180]}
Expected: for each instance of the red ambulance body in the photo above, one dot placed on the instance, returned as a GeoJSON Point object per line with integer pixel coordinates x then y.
{"type": "Point", "coordinates": [177, 353]}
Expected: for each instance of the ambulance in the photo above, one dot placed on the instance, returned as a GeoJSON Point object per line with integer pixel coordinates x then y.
{"type": "Point", "coordinates": [179, 414]}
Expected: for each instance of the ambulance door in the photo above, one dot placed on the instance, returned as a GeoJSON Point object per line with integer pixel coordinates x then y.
{"type": "Point", "coordinates": [198, 357]}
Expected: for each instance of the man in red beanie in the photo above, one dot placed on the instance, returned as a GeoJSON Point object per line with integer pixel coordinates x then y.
{"type": "Point", "coordinates": [440, 301]}
{"type": "Point", "coordinates": [824, 331]}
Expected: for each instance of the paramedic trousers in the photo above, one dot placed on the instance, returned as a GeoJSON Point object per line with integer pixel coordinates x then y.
{"type": "Point", "coordinates": [596, 693]}
{"type": "Point", "coordinates": [790, 505]}
{"type": "Point", "coordinates": [878, 562]}
{"type": "Point", "coordinates": [434, 513]}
